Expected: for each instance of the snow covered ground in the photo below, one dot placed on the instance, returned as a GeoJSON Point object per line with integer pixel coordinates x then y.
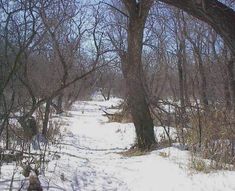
{"type": "Point", "coordinates": [89, 160]}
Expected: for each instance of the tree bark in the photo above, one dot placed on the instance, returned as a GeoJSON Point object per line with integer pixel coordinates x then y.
{"type": "Point", "coordinates": [46, 117]}
{"type": "Point", "coordinates": [227, 94]}
{"type": "Point", "coordinates": [203, 81]}
{"type": "Point", "coordinates": [181, 74]}
{"type": "Point", "coordinates": [133, 74]}
{"type": "Point", "coordinates": [59, 107]}
{"type": "Point", "coordinates": [232, 81]}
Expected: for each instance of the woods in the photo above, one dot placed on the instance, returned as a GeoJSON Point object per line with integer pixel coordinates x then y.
{"type": "Point", "coordinates": [171, 62]}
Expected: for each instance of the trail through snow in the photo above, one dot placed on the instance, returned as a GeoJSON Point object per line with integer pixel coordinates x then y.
{"type": "Point", "coordinates": [90, 160]}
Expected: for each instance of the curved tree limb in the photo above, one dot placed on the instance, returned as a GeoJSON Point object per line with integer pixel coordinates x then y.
{"type": "Point", "coordinates": [213, 12]}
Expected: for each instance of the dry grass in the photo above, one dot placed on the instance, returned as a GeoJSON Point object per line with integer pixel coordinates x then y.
{"type": "Point", "coordinates": [217, 138]}
{"type": "Point", "coordinates": [199, 165]}
{"type": "Point", "coordinates": [120, 117]}
{"type": "Point", "coordinates": [133, 152]}
{"type": "Point", "coordinates": [164, 154]}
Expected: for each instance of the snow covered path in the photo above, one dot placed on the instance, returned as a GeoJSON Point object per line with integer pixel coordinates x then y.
{"type": "Point", "coordinates": [90, 160]}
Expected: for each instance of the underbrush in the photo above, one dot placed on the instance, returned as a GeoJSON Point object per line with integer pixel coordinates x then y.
{"type": "Point", "coordinates": [208, 133]}
{"type": "Point", "coordinates": [133, 151]}
{"type": "Point", "coordinates": [30, 152]}
{"type": "Point", "coordinates": [164, 154]}
{"type": "Point", "coordinates": [212, 136]}
{"type": "Point", "coordinates": [121, 116]}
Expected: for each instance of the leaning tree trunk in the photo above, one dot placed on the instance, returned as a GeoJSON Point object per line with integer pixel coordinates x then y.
{"type": "Point", "coordinates": [214, 13]}
{"type": "Point", "coordinates": [133, 74]}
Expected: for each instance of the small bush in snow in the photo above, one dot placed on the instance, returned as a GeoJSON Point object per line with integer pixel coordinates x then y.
{"type": "Point", "coordinates": [164, 154]}
{"type": "Point", "coordinates": [199, 165]}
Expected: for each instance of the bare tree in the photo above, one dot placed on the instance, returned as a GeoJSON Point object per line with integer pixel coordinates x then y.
{"type": "Point", "coordinates": [134, 76]}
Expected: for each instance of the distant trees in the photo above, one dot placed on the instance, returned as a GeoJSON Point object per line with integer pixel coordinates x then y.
{"type": "Point", "coordinates": [42, 56]}
{"type": "Point", "coordinates": [18, 31]}
{"type": "Point", "coordinates": [203, 81]}
{"type": "Point", "coordinates": [215, 13]}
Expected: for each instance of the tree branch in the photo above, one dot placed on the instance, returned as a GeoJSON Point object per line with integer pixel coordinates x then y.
{"type": "Point", "coordinates": [214, 13]}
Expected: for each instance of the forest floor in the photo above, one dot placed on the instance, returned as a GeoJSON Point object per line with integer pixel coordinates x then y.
{"type": "Point", "coordinates": [89, 159]}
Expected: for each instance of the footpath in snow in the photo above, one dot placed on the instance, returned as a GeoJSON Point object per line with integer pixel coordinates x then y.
{"type": "Point", "coordinates": [90, 160]}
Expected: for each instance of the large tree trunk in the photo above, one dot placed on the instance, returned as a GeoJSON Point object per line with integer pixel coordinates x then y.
{"type": "Point", "coordinates": [227, 94]}
{"type": "Point", "coordinates": [133, 74]}
{"type": "Point", "coordinates": [232, 81]}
